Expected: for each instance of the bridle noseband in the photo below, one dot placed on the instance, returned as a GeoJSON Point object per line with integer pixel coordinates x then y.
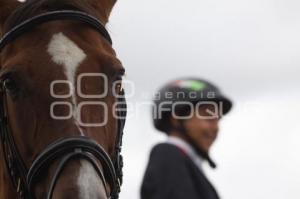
{"type": "Point", "coordinates": [64, 149]}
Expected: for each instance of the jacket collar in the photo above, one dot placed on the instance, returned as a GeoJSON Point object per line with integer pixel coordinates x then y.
{"type": "Point", "coordinates": [187, 148]}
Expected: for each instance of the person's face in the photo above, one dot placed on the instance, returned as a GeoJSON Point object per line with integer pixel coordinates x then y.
{"type": "Point", "coordinates": [203, 126]}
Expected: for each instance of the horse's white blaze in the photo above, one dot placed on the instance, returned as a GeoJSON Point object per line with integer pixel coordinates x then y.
{"type": "Point", "coordinates": [67, 53]}
{"type": "Point", "coordinates": [89, 183]}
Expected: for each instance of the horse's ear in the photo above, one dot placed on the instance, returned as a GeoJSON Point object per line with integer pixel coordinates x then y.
{"type": "Point", "coordinates": [103, 7]}
{"type": "Point", "coordinates": [6, 8]}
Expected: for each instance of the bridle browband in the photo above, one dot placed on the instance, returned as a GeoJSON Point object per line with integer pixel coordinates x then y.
{"type": "Point", "coordinates": [65, 149]}
{"type": "Point", "coordinates": [54, 16]}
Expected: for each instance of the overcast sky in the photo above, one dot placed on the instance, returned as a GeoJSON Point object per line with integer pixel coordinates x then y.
{"type": "Point", "coordinates": [249, 48]}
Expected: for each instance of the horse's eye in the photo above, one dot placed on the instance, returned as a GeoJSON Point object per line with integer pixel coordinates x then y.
{"type": "Point", "coordinates": [118, 85]}
{"type": "Point", "coordinates": [119, 88]}
{"type": "Point", "coordinates": [10, 85]}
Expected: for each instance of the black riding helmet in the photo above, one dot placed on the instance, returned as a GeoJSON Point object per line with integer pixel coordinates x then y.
{"type": "Point", "coordinates": [179, 93]}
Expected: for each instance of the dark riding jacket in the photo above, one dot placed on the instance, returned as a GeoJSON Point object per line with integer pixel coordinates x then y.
{"type": "Point", "coordinates": [172, 174]}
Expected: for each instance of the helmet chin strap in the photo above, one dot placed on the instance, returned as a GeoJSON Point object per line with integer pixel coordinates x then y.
{"type": "Point", "coordinates": [198, 150]}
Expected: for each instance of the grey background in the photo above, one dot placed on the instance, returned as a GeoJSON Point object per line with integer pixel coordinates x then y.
{"type": "Point", "coordinates": [249, 48]}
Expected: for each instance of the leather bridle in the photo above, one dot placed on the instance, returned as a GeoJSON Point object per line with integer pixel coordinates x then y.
{"type": "Point", "coordinates": [65, 149]}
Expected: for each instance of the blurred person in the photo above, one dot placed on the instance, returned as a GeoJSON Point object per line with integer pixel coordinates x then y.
{"type": "Point", "coordinates": [188, 111]}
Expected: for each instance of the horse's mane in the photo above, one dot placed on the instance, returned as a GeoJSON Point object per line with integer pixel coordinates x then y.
{"type": "Point", "coordinates": [34, 7]}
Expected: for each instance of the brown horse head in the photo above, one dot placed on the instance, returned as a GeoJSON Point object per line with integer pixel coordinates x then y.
{"type": "Point", "coordinates": [60, 78]}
